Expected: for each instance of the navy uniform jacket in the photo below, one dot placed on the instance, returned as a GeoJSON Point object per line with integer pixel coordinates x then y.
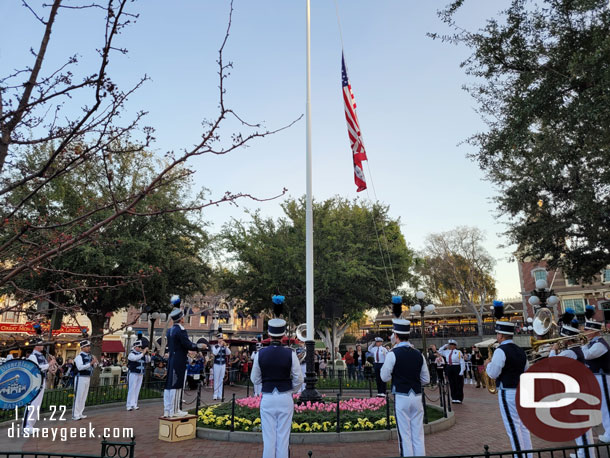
{"type": "Point", "coordinates": [179, 345]}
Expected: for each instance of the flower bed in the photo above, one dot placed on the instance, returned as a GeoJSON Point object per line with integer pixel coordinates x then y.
{"type": "Point", "coordinates": [366, 414]}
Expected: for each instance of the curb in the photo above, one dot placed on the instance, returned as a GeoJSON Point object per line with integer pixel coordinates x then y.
{"type": "Point", "coordinates": [324, 438]}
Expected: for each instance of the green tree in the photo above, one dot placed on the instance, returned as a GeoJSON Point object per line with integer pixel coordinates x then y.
{"type": "Point", "coordinates": [268, 257]}
{"type": "Point", "coordinates": [135, 261]}
{"type": "Point", "coordinates": [542, 70]}
{"type": "Point", "coordinates": [77, 112]}
{"type": "Point", "coordinates": [457, 269]}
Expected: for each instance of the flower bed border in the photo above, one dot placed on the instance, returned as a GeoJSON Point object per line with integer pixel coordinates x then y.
{"type": "Point", "coordinates": [325, 438]}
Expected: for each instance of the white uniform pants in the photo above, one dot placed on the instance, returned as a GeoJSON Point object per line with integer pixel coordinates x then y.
{"type": "Point", "coordinates": [518, 433]}
{"type": "Point", "coordinates": [409, 413]}
{"type": "Point", "coordinates": [135, 383]}
{"type": "Point", "coordinates": [586, 439]}
{"type": "Point", "coordinates": [219, 376]}
{"type": "Point", "coordinates": [276, 422]}
{"type": "Point", "coordinates": [602, 379]}
{"type": "Point", "coordinates": [171, 401]}
{"type": "Point", "coordinates": [32, 411]}
{"type": "Point", "coordinates": [81, 389]}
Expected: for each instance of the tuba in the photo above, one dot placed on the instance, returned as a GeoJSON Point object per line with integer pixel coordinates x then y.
{"type": "Point", "coordinates": [490, 383]}
{"type": "Point", "coordinates": [301, 333]}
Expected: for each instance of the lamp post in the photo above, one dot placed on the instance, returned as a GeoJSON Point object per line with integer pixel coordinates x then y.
{"type": "Point", "coordinates": [542, 297]}
{"type": "Point", "coordinates": [422, 308]}
{"type": "Point", "coordinates": [127, 336]}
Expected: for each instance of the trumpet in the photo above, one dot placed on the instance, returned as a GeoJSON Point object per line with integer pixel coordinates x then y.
{"type": "Point", "coordinates": [580, 339]}
{"type": "Point", "coordinates": [538, 351]}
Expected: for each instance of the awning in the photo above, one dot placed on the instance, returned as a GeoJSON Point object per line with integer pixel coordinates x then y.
{"type": "Point", "coordinates": [485, 343]}
{"type": "Point", "coordinates": [112, 346]}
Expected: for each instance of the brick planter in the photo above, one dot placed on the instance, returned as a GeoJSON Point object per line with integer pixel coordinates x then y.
{"type": "Point", "coordinates": [324, 438]}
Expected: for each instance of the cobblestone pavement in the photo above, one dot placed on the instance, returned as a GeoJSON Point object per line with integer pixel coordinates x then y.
{"type": "Point", "coordinates": [478, 423]}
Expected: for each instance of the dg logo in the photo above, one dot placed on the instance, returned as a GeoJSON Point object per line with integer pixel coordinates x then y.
{"type": "Point", "coordinates": [559, 399]}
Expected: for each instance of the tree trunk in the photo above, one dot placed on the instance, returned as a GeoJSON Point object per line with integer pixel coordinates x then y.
{"type": "Point", "coordinates": [327, 333]}
{"type": "Point", "coordinates": [97, 334]}
{"type": "Point", "coordinates": [479, 316]}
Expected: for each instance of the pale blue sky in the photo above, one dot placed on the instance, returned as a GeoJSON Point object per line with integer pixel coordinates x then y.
{"type": "Point", "coordinates": [412, 110]}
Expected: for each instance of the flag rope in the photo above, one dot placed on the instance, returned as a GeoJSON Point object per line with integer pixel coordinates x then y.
{"type": "Point", "coordinates": [387, 249]}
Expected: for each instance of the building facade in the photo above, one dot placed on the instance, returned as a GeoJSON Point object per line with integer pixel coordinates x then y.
{"type": "Point", "coordinates": [204, 314]}
{"type": "Point", "coordinates": [18, 328]}
{"type": "Point", "coordinates": [570, 292]}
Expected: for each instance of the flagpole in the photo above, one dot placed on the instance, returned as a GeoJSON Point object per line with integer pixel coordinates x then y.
{"type": "Point", "coordinates": [310, 393]}
{"type": "Point", "coordinates": [309, 210]}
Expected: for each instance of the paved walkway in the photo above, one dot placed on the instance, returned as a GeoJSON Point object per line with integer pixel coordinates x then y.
{"type": "Point", "coordinates": [478, 423]}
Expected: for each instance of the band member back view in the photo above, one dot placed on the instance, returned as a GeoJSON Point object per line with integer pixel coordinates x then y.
{"type": "Point", "coordinates": [506, 366]}
{"type": "Point", "coordinates": [279, 371]}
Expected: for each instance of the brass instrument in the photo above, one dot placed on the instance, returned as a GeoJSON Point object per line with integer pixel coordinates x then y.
{"type": "Point", "coordinates": [301, 333]}
{"type": "Point", "coordinates": [537, 352]}
{"type": "Point", "coordinates": [490, 383]}
{"type": "Point", "coordinates": [544, 325]}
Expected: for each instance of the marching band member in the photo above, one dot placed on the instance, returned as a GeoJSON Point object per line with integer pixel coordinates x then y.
{"type": "Point", "coordinates": [32, 410]}
{"type": "Point", "coordinates": [408, 370]}
{"type": "Point", "coordinates": [378, 351]}
{"type": "Point", "coordinates": [258, 387]}
{"type": "Point", "coordinates": [570, 329]}
{"type": "Point", "coordinates": [507, 364]}
{"type": "Point", "coordinates": [136, 364]}
{"type": "Point", "coordinates": [85, 362]}
{"type": "Point", "coordinates": [179, 346]}
{"type": "Point", "coordinates": [221, 353]}
{"type": "Point", "coordinates": [301, 353]}
{"type": "Point", "coordinates": [277, 369]}
{"type": "Point", "coordinates": [455, 368]}
{"type": "Point", "coordinates": [598, 360]}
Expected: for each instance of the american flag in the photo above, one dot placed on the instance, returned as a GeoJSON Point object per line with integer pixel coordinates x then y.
{"type": "Point", "coordinates": [353, 129]}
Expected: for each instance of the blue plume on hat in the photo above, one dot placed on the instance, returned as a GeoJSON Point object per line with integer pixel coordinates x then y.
{"type": "Point", "coordinates": [397, 306]}
{"type": "Point", "coordinates": [278, 305]}
{"type": "Point", "coordinates": [589, 311]}
{"type": "Point", "coordinates": [568, 316]}
{"type": "Point", "coordinates": [575, 323]}
{"type": "Point", "coordinates": [175, 300]}
{"type": "Point", "coordinates": [498, 309]}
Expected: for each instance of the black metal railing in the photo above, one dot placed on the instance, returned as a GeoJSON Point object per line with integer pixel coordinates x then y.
{"type": "Point", "coordinates": [109, 450]}
{"type": "Point", "coordinates": [98, 395]}
{"type": "Point", "coordinates": [600, 450]}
